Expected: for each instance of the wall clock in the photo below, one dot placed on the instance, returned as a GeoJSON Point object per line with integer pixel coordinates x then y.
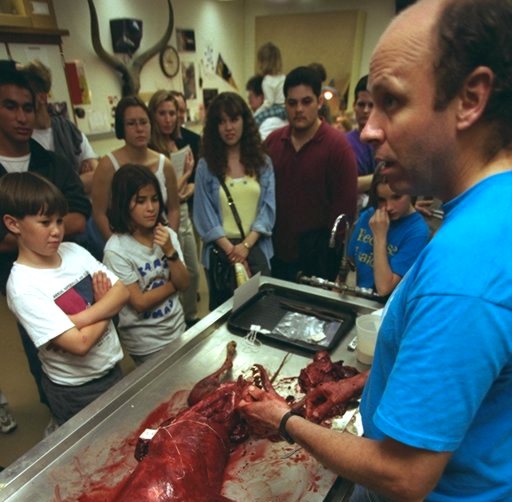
{"type": "Point", "coordinates": [169, 61]}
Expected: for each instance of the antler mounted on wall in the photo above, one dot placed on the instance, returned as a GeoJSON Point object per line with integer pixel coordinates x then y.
{"type": "Point", "coordinates": [130, 73]}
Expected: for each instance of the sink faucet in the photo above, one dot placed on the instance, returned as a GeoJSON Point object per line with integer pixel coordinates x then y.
{"type": "Point", "coordinates": [344, 265]}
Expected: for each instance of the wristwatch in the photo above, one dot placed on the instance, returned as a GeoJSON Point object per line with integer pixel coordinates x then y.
{"type": "Point", "coordinates": [282, 426]}
{"type": "Point", "coordinates": [246, 245]}
{"type": "Point", "coordinates": [173, 257]}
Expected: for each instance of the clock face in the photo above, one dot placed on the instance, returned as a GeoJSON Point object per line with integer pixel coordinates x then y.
{"type": "Point", "coordinates": [170, 61]}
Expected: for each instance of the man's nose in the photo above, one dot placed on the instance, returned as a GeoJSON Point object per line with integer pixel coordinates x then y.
{"type": "Point", "coordinates": [21, 115]}
{"type": "Point", "coordinates": [372, 133]}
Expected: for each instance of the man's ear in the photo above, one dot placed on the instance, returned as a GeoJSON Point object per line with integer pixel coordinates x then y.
{"type": "Point", "coordinates": [474, 96]}
{"type": "Point", "coordinates": [11, 223]}
{"type": "Point", "coordinates": [320, 100]}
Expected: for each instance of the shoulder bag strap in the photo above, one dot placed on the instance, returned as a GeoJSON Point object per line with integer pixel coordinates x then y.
{"type": "Point", "coordinates": [231, 203]}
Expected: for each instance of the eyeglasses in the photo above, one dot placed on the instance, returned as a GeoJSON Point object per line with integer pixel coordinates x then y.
{"type": "Point", "coordinates": [136, 122]}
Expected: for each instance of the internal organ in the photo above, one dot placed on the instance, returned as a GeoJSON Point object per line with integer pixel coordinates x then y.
{"type": "Point", "coordinates": [329, 387]}
{"type": "Point", "coordinates": [212, 382]}
{"type": "Point", "coordinates": [187, 456]}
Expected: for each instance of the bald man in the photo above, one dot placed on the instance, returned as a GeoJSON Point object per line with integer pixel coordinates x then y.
{"type": "Point", "coordinates": [437, 408]}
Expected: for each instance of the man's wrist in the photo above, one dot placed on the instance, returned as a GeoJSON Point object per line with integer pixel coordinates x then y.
{"type": "Point", "coordinates": [282, 426]}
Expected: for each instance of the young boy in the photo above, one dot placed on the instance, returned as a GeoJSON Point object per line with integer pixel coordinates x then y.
{"type": "Point", "coordinates": [62, 296]}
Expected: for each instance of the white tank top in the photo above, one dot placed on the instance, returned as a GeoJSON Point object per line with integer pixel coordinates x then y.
{"type": "Point", "coordinates": [159, 173]}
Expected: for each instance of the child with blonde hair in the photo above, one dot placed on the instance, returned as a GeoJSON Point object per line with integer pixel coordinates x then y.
{"type": "Point", "coordinates": [270, 66]}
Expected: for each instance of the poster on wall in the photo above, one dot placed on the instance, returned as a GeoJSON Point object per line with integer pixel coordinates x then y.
{"type": "Point", "coordinates": [188, 73]}
{"type": "Point", "coordinates": [223, 71]}
{"type": "Point", "coordinates": [186, 40]}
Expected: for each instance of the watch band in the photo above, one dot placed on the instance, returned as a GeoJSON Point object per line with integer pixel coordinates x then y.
{"type": "Point", "coordinates": [173, 257]}
{"type": "Point", "coordinates": [282, 426]}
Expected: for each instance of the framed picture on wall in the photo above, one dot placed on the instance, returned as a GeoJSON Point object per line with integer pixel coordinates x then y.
{"type": "Point", "coordinates": [188, 73]}
{"type": "Point", "coordinates": [186, 40]}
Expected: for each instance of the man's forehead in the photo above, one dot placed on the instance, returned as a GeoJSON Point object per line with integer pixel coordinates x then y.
{"type": "Point", "coordinates": [301, 91]}
{"type": "Point", "coordinates": [364, 96]}
{"type": "Point", "coordinates": [14, 93]}
{"type": "Point", "coordinates": [407, 43]}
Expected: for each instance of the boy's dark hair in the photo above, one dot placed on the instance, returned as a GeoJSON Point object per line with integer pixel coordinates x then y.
{"type": "Point", "coordinates": [361, 86]}
{"type": "Point", "coordinates": [39, 76]}
{"type": "Point", "coordinates": [29, 194]}
{"type": "Point", "coordinates": [121, 107]}
{"type": "Point", "coordinates": [320, 69]}
{"type": "Point", "coordinates": [127, 181]}
{"type": "Point", "coordinates": [17, 79]}
{"type": "Point", "coordinates": [254, 84]}
{"type": "Point", "coordinates": [303, 75]}
{"type": "Point", "coordinates": [214, 150]}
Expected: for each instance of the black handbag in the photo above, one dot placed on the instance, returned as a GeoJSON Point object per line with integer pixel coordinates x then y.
{"type": "Point", "coordinates": [221, 273]}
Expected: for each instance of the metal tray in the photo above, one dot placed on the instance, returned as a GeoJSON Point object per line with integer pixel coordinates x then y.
{"type": "Point", "coordinates": [271, 308]}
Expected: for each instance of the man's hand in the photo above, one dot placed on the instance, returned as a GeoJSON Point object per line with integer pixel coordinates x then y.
{"type": "Point", "coordinates": [100, 285]}
{"type": "Point", "coordinates": [186, 192]}
{"type": "Point", "coordinates": [263, 409]}
{"type": "Point", "coordinates": [379, 224]}
{"type": "Point", "coordinates": [88, 166]}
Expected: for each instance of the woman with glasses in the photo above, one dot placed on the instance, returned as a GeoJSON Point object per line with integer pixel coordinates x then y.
{"type": "Point", "coordinates": [132, 124]}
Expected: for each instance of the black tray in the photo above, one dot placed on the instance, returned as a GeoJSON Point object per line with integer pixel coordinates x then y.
{"type": "Point", "coordinates": [268, 308]}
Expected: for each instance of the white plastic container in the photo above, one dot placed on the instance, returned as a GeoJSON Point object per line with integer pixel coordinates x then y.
{"type": "Point", "coordinates": [367, 327]}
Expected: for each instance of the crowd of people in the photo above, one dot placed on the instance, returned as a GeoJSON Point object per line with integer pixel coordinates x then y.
{"type": "Point", "coordinates": [84, 241]}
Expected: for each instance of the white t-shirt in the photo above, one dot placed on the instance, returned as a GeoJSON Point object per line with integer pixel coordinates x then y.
{"type": "Point", "coordinates": [45, 138]}
{"type": "Point", "coordinates": [132, 262]}
{"type": "Point", "coordinates": [15, 164]}
{"type": "Point", "coordinates": [272, 86]}
{"type": "Point", "coordinates": [42, 299]}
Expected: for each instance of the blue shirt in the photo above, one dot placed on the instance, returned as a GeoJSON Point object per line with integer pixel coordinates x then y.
{"type": "Point", "coordinates": [363, 152]}
{"type": "Point", "coordinates": [442, 372]}
{"type": "Point", "coordinates": [406, 238]}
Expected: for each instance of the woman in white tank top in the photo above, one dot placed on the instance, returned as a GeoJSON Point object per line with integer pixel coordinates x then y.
{"type": "Point", "coordinates": [133, 125]}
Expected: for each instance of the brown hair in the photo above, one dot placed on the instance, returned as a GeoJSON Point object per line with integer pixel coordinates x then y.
{"type": "Point", "coordinates": [29, 194]}
{"type": "Point", "coordinates": [214, 149]}
{"type": "Point", "coordinates": [472, 33]}
{"type": "Point", "coordinates": [39, 76]}
{"type": "Point", "coordinates": [269, 59]}
{"type": "Point", "coordinates": [126, 183]}
{"type": "Point", "coordinates": [158, 142]}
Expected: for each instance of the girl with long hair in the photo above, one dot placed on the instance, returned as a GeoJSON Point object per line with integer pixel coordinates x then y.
{"type": "Point", "coordinates": [146, 255]}
{"type": "Point", "coordinates": [387, 238]}
{"type": "Point", "coordinates": [233, 155]}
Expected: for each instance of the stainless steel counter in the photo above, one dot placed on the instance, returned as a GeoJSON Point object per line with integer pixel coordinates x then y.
{"type": "Point", "coordinates": [57, 468]}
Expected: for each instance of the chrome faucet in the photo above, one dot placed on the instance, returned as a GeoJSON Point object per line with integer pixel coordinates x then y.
{"type": "Point", "coordinates": [344, 265]}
